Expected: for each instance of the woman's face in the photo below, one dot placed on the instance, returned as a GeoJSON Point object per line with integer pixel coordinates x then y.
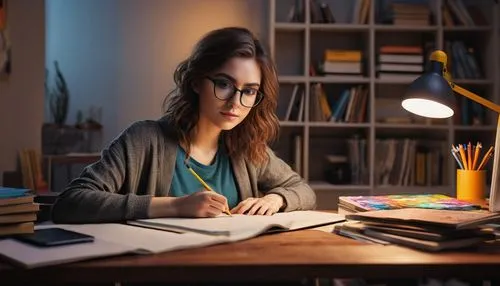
{"type": "Point", "coordinates": [220, 103]}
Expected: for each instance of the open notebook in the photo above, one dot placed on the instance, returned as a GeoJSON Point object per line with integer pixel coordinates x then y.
{"type": "Point", "coordinates": [117, 239]}
{"type": "Point", "coordinates": [236, 226]}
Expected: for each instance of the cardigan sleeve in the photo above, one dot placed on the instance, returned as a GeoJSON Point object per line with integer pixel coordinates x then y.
{"type": "Point", "coordinates": [94, 196]}
{"type": "Point", "coordinates": [277, 177]}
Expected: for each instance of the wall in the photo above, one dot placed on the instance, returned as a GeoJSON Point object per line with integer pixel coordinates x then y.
{"type": "Point", "coordinates": [22, 95]}
{"type": "Point", "coordinates": [120, 54]}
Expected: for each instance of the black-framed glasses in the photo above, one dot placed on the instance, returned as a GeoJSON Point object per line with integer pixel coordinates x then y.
{"type": "Point", "coordinates": [224, 89]}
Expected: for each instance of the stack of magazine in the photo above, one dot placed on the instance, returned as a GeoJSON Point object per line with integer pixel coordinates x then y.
{"type": "Point", "coordinates": [430, 222]}
{"type": "Point", "coordinates": [424, 229]}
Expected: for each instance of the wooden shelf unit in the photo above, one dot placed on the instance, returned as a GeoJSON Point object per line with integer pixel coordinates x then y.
{"type": "Point", "coordinates": [294, 46]}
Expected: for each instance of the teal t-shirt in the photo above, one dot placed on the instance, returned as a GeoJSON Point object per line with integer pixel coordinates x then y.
{"type": "Point", "coordinates": [218, 175]}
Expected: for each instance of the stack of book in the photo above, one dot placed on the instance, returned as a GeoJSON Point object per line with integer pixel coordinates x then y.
{"type": "Point", "coordinates": [400, 62]}
{"type": "Point", "coordinates": [342, 62]}
{"type": "Point", "coordinates": [423, 229]}
{"type": "Point", "coordinates": [410, 14]}
{"type": "Point", "coordinates": [18, 212]}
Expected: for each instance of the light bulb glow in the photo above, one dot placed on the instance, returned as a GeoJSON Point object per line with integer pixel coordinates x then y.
{"type": "Point", "coordinates": [427, 108]}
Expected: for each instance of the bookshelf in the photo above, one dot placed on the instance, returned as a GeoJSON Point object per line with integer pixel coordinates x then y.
{"type": "Point", "coordinates": [306, 143]}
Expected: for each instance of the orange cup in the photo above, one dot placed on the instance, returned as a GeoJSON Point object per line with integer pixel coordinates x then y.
{"type": "Point", "coordinates": [471, 185]}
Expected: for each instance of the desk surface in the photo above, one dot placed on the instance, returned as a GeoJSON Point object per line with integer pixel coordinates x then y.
{"type": "Point", "coordinates": [284, 256]}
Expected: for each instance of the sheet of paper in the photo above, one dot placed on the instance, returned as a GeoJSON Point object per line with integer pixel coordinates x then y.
{"type": "Point", "coordinates": [142, 240]}
{"type": "Point", "coordinates": [110, 239]}
{"type": "Point", "coordinates": [31, 256]}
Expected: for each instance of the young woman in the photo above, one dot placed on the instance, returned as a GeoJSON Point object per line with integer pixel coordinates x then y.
{"type": "Point", "coordinates": [217, 124]}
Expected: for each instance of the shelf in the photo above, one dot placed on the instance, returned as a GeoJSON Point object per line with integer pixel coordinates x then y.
{"type": "Point", "coordinates": [338, 124]}
{"type": "Point", "coordinates": [291, 79]}
{"type": "Point", "coordinates": [340, 27]}
{"type": "Point", "coordinates": [471, 128]}
{"type": "Point", "coordinates": [468, 29]}
{"type": "Point", "coordinates": [410, 126]}
{"type": "Point", "coordinates": [325, 186]}
{"type": "Point", "coordinates": [395, 80]}
{"type": "Point", "coordinates": [340, 79]}
{"type": "Point", "coordinates": [291, 124]}
{"type": "Point", "coordinates": [391, 189]}
{"type": "Point", "coordinates": [290, 26]}
{"type": "Point", "coordinates": [400, 28]}
{"type": "Point", "coordinates": [473, 81]}
{"type": "Point", "coordinates": [298, 46]}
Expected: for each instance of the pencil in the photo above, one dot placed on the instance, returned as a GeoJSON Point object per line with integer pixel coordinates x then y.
{"type": "Point", "coordinates": [485, 158]}
{"type": "Point", "coordinates": [226, 211]}
{"type": "Point", "coordinates": [462, 155]}
{"type": "Point", "coordinates": [456, 157]}
{"type": "Point", "coordinates": [476, 155]}
{"type": "Point", "coordinates": [469, 156]}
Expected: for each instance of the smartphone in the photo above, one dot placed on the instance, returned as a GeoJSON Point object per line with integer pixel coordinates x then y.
{"type": "Point", "coordinates": [54, 237]}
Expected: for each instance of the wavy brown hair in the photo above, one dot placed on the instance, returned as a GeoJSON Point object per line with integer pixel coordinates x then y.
{"type": "Point", "coordinates": [260, 127]}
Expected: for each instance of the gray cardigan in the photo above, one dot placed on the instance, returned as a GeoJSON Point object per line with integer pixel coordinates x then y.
{"type": "Point", "coordinates": [139, 164]}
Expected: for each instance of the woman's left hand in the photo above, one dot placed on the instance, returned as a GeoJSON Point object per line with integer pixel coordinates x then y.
{"type": "Point", "coordinates": [267, 205]}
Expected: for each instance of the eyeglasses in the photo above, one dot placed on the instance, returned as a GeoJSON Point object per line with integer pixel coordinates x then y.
{"type": "Point", "coordinates": [225, 90]}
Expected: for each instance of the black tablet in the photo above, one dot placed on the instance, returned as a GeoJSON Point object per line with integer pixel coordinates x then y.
{"type": "Point", "coordinates": [54, 237]}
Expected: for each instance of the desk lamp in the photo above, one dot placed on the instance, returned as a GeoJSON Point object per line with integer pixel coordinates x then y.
{"type": "Point", "coordinates": [431, 95]}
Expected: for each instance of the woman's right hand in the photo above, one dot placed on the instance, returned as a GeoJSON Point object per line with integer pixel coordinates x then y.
{"type": "Point", "coordinates": [200, 204]}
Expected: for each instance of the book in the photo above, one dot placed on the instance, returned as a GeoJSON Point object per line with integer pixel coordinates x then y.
{"type": "Point", "coordinates": [112, 239]}
{"type": "Point", "coordinates": [17, 228]}
{"type": "Point", "coordinates": [19, 208]}
{"type": "Point", "coordinates": [15, 218]}
{"type": "Point", "coordinates": [6, 192]}
{"type": "Point", "coordinates": [428, 245]}
{"type": "Point", "coordinates": [16, 200]}
{"type": "Point", "coordinates": [387, 202]}
{"type": "Point", "coordinates": [428, 217]}
{"type": "Point", "coordinates": [431, 234]}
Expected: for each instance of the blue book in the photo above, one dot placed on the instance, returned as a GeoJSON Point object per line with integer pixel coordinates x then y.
{"type": "Point", "coordinates": [6, 192]}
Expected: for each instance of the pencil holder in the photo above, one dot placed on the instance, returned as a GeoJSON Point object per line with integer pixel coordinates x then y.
{"type": "Point", "coordinates": [471, 184]}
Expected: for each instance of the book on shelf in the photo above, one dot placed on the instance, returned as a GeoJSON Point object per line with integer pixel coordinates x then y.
{"type": "Point", "coordinates": [349, 106]}
{"type": "Point", "coordinates": [342, 62]}
{"type": "Point", "coordinates": [462, 61]}
{"type": "Point", "coordinates": [457, 13]}
{"type": "Point", "coordinates": [410, 162]}
{"type": "Point", "coordinates": [295, 108]}
{"type": "Point", "coordinates": [320, 12]}
{"type": "Point", "coordinates": [360, 11]}
{"type": "Point", "coordinates": [411, 14]}
{"type": "Point", "coordinates": [396, 62]}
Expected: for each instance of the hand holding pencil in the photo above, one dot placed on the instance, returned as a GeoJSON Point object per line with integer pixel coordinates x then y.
{"type": "Point", "coordinates": [208, 188]}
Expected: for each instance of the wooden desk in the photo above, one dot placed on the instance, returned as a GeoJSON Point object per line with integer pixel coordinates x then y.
{"type": "Point", "coordinates": [288, 256]}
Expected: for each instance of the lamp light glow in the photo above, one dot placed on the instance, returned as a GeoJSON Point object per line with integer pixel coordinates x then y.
{"type": "Point", "coordinates": [427, 108]}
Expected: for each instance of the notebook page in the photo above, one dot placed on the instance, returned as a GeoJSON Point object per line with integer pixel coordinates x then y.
{"type": "Point", "coordinates": [239, 225]}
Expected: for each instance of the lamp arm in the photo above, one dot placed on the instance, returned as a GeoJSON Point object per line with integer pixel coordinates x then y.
{"type": "Point", "coordinates": [494, 204]}
{"type": "Point", "coordinates": [474, 97]}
